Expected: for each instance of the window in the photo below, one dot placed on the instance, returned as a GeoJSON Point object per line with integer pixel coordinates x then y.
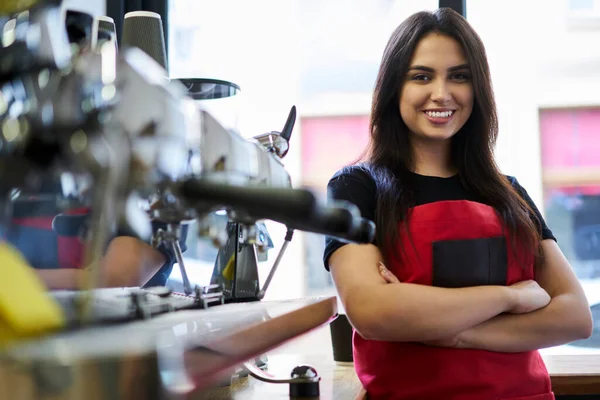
{"type": "Point", "coordinates": [570, 141]}
{"type": "Point", "coordinates": [546, 85]}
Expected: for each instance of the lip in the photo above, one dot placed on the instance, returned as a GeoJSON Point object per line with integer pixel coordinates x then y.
{"type": "Point", "coordinates": [439, 120]}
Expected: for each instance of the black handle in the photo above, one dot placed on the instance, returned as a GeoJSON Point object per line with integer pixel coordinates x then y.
{"type": "Point", "coordinates": [339, 220]}
{"type": "Point", "coordinates": [286, 132]}
{"type": "Point", "coordinates": [278, 204]}
{"type": "Point", "coordinates": [296, 208]}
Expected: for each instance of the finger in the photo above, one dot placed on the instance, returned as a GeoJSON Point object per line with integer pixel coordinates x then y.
{"type": "Point", "coordinates": [384, 273]}
{"type": "Point", "coordinates": [387, 275]}
{"type": "Point", "coordinates": [387, 278]}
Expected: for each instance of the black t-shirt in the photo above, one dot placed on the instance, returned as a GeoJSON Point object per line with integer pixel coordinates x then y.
{"type": "Point", "coordinates": [356, 185]}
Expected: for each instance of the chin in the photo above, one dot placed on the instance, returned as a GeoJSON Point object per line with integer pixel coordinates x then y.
{"type": "Point", "coordinates": [438, 135]}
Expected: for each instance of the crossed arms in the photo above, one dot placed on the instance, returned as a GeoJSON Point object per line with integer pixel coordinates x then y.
{"type": "Point", "coordinates": [514, 318]}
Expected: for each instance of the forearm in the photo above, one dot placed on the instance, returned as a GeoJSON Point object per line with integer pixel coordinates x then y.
{"type": "Point", "coordinates": [562, 321]}
{"type": "Point", "coordinates": [410, 312]}
{"type": "Point", "coordinates": [61, 279]}
{"type": "Point", "coordinates": [129, 262]}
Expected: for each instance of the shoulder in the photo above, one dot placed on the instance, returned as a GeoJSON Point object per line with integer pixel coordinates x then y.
{"type": "Point", "coordinates": [536, 215]}
{"type": "Point", "coordinates": [358, 172]}
{"type": "Point", "coordinates": [513, 181]}
{"type": "Point", "coordinates": [516, 185]}
{"type": "Point", "coordinates": [520, 190]}
{"type": "Point", "coordinates": [356, 185]}
{"type": "Point", "coordinates": [352, 177]}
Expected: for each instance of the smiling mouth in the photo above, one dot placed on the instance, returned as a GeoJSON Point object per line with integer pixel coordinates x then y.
{"type": "Point", "coordinates": [439, 118]}
{"type": "Point", "coordinates": [439, 114]}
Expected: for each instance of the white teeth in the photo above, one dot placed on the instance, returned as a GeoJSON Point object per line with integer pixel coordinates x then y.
{"type": "Point", "coordinates": [437, 114]}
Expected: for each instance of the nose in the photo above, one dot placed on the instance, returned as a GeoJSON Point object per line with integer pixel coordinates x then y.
{"type": "Point", "coordinates": [440, 91]}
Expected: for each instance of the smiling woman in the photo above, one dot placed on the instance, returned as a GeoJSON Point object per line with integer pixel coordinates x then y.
{"type": "Point", "coordinates": [473, 282]}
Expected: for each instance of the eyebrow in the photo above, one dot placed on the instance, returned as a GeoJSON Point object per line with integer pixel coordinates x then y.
{"type": "Point", "coordinates": [429, 69]}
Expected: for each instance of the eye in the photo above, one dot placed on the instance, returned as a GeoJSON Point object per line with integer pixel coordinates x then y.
{"type": "Point", "coordinates": [460, 76]}
{"type": "Point", "coordinates": [420, 77]}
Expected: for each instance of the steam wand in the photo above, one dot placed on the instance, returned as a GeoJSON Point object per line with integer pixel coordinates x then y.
{"type": "Point", "coordinates": [171, 237]}
{"type": "Point", "coordinates": [288, 238]}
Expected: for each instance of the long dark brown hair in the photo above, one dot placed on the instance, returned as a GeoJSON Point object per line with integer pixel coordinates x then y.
{"type": "Point", "coordinates": [389, 156]}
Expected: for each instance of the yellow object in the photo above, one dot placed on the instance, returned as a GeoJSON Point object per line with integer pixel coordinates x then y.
{"type": "Point", "coordinates": [26, 310]}
{"type": "Point", "coordinates": [12, 6]}
{"type": "Point", "coordinates": [229, 269]}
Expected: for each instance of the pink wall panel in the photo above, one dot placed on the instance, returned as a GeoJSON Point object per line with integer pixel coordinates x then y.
{"type": "Point", "coordinates": [329, 143]}
{"type": "Point", "coordinates": [555, 128]}
{"type": "Point", "coordinates": [570, 138]}
{"type": "Point", "coordinates": [589, 137]}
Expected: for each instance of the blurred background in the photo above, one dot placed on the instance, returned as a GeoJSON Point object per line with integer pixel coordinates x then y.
{"type": "Point", "coordinates": [323, 57]}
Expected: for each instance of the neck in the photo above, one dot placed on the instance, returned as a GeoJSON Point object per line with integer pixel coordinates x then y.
{"type": "Point", "coordinates": [433, 158]}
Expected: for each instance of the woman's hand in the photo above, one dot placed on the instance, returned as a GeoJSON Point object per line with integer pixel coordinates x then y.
{"type": "Point", "coordinates": [387, 275]}
{"type": "Point", "coordinates": [529, 296]}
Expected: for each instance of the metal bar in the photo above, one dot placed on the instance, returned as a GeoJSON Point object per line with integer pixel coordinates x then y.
{"type": "Point", "coordinates": [187, 287]}
{"type": "Point", "coordinates": [261, 293]}
{"type": "Point", "coordinates": [459, 6]}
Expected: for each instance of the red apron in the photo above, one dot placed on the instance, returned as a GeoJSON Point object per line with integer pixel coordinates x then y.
{"type": "Point", "coordinates": [69, 249]}
{"type": "Point", "coordinates": [441, 234]}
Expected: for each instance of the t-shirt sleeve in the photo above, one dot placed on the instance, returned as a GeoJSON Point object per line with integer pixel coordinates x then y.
{"type": "Point", "coordinates": [545, 231]}
{"type": "Point", "coordinates": [355, 185]}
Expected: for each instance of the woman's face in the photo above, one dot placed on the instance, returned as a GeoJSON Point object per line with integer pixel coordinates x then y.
{"type": "Point", "coordinates": [437, 96]}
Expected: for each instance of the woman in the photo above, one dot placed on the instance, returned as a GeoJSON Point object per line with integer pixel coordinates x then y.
{"type": "Point", "coordinates": [473, 282]}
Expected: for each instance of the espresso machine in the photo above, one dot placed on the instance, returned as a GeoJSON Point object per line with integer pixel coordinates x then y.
{"type": "Point", "coordinates": [127, 137]}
